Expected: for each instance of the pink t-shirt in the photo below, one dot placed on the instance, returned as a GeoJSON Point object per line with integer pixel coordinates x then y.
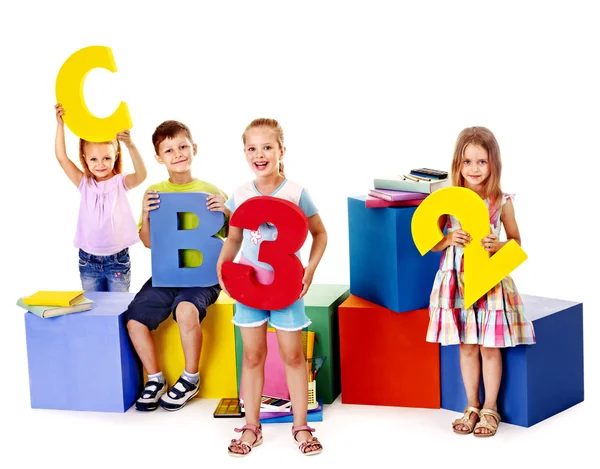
{"type": "Point", "coordinates": [106, 224]}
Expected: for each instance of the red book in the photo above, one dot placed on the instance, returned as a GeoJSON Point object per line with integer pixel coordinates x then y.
{"type": "Point", "coordinates": [374, 202]}
{"type": "Point", "coordinates": [394, 195]}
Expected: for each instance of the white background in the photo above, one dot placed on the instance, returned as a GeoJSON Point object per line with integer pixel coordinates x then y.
{"type": "Point", "coordinates": [362, 89]}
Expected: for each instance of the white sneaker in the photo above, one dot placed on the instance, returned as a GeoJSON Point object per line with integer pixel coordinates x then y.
{"type": "Point", "coordinates": [153, 391]}
{"type": "Point", "coordinates": [177, 396]}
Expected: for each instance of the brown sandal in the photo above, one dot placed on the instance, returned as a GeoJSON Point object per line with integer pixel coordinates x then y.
{"type": "Point", "coordinates": [312, 442]}
{"type": "Point", "coordinates": [466, 420]}
{"type": "Point", "coordinates": [245, 447]}
{"type": "Point", "coordinates": [488, 424]}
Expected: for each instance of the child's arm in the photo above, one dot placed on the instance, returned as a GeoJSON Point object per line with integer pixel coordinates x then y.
{"type": "Point", "coordinates": [72, 171]}
{"type": "Point", "coordinates": [151, 202]}
{"type": "Point", "coordinates": [510, 223]}
{"type": "Point", "coordinates": [491, 243]}
{"type": "Point", "coordinates": [319, 235]}
{"type": "Point", "coordinates": [229, 250]}
{"type": "Point", "coordinates": [139, 175]}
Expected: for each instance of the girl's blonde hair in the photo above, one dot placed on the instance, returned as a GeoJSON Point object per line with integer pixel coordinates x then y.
{"type": "Point", "coordinates": [275, 127]}
{"type": "Point", "coordinates": [484, 138]}
{"type": "Point", "coordinates": [117, 169]}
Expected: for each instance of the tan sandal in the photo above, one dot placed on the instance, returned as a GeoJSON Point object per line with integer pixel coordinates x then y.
{"type": "Point", "coordinates": [312, 442]}
{"type": "Point", "coordinates": [244, 446]}
{"type": "Point", "coordinates": [486, 423]}
{"type": "Point", "coordinates": [466, 420]}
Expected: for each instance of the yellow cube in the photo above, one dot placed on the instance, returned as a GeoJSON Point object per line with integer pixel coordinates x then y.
{"type": "Point", "coordinates": [217, 360]}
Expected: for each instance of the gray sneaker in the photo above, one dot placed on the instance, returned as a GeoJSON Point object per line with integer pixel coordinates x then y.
{"type": "Point", "coordinates": [179, 394]}
{"type": "Point", "coordinates": [148, 400]}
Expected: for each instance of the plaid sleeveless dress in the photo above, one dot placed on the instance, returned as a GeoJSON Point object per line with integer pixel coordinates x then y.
{"type": "Point", "coordinates": [497, 319]}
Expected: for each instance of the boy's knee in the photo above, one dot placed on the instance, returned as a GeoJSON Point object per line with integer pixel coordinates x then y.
{"type": "Point", "coordinates": [134, 326]}
{"type": "Point", "coordinates": [187, 314]}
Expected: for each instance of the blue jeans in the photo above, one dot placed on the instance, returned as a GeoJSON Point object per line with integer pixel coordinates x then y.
{"type": "Point", "coordinates": [105, 273]}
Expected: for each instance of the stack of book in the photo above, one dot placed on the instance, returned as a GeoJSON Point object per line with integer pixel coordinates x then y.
{"type": "Point", "coordinates": [48, 304]}
{"type": "Point", "coordinates": [270, 404]}
{"type": "Point", "coordinates": [275, 410]}
{"type": "Point", "coordinates": [406, 190]}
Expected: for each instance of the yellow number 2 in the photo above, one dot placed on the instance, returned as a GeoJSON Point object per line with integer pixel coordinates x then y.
{"type": "Point", "coordinates": [482, 271]}
{"type": "Point", "coordinates": [69, 92]}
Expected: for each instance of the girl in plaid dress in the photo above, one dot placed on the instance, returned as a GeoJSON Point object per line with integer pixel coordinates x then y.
{"type": "Point", "coordinates": [497, 319]}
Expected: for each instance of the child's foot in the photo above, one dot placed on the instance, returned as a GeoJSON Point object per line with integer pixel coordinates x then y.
{"type": "Point", "coordinates": [488, 422]}
{"type": "Point", "coordinates": [307, 443]}
{"type": "Point", "coordinates": [179, 394]}
{"type": "Point", "coordinates": [153, 391]}
{"type": "Point", "coordinates": [251, 437]}
{"type": "Point", "coordinates": [466, 423]}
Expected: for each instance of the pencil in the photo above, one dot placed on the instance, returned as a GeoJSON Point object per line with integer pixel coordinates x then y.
{"type": "Point", "coordinates": [412, 178]}
{"type": "Point", "coordinates": [421, 178]}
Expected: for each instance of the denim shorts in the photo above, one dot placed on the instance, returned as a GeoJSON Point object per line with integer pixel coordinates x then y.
{"type": "Point", "coordinates": [291, 318]}
{"type": "Point", "coordinates": [105, 273]}
{"type": "Point", "coordinates": [152, 305]}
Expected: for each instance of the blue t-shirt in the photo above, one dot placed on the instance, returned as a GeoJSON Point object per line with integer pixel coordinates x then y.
{"type": "Point", "coordinates": [288, 190]}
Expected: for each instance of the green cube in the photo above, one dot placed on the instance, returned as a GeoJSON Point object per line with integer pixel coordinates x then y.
{"type": "Point", "coordinates": [321, 306]}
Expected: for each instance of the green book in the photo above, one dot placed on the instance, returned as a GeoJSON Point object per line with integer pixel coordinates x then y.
{"type": "Point", "coordinates": [400, 183]}
{"type": "Point", "coordinates": [52, 311]}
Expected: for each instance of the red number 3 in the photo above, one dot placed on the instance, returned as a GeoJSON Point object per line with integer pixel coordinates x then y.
{"type": "Point", "coordinates": [292, 230]}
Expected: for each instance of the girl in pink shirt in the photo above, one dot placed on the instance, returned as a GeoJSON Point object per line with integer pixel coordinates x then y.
{"type": "Point", "coordinates": [106, 226]}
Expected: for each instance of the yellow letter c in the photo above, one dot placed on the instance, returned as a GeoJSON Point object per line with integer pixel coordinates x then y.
{"type": "Point", "coordinates": [69, 92]}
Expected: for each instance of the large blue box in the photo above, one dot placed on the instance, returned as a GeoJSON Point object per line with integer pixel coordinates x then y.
{"type": "Point", "coordinates": [385, 266]}
{"type": "Point", "coordinates": [84, 361]}
{"type": "Point", "coordinates": [539, 380]}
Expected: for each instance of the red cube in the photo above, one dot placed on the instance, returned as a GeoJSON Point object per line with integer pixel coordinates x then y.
{"type": "Point", "coordinates": [384, 358]}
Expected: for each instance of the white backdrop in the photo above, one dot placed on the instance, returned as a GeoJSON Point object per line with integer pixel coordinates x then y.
{"type": "Point", "coordinates": [362, 90]}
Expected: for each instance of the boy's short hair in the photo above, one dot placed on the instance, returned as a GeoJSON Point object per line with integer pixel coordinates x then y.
{"type": "Point", "coordinates": [169, 129]}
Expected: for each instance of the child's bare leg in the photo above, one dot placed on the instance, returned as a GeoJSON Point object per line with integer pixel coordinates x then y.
{"type": "Point", "coordinates": [190, 334]}
{"type": "Point", "coordinates": [253, 377]}
{"type": "Point", "coordinates": [143, 344]}
{"type": "Point", "coordinates": [292, 355]}
{"type": "Point", "coordinates": [492, 375]}
{"type": "Point", "coordinates": [471, 374]}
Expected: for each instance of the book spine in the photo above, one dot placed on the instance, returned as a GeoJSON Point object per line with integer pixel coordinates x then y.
{"type": "Point", "coordinates": [380, 195]}
{"type": "Point", "coordinates": [402, 185]}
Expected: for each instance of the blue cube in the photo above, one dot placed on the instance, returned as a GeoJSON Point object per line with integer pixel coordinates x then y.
{"type": "Point", "coordinates": [84, 361]}
{"type": "Point", "coordinates": [385, 266]}
{"type": "Point", "coordinates": [539, 380]}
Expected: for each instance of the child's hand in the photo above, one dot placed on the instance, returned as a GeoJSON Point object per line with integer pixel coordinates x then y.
{"type": "Point", "coordinates": [216, 203]}
{"type": "Point", "coordinates": [59, 113]}
{"type": "Point", "coordinates": [490, 243]}
{"type": "Point", "coordinates": [307, 280]}
{"type": "Point", "coordinates": [151, 202]}
{"type": "Point", "coordinates": [125, 137]}
{"type": "Point", "coordinates": [459, 238]}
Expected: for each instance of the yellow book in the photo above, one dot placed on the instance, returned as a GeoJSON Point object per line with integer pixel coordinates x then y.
{"type": "Point", "coordinates": [310, 344]}
{"type": "Point", "coordinates": [54, 298]}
